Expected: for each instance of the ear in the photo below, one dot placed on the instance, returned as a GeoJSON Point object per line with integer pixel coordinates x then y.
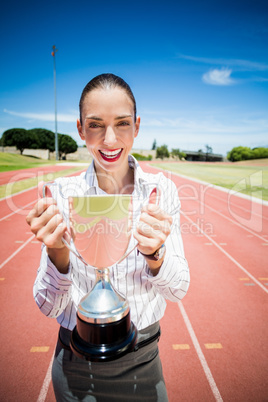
{"type": "Point", "coordinates": [80, 130]}
{"type": "Point", "coordinates": [137, 126]}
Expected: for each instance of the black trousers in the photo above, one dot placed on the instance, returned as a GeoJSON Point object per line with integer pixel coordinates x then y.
{"type": "Point", "coordinates": [137, 376]}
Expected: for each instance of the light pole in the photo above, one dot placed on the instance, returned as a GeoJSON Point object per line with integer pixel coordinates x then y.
{"type": "Point", "coordinates": [54, 50]}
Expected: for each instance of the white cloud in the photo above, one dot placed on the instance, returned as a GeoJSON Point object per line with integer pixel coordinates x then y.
{"type": "Point", "coordinates": [237, 63]}
{"type": "Point", "coordinates": [211, 126]}
{"type": "Point", "coordinates": [152, 122]}
{"type": "Point", "coordinates": [218, 77]}
{"type": "Point", "coordinates": [192, 130]}
{"type": "Point", "coordinates": [63, 118]}
{"type": "Point", "coordinates": [260, 79]}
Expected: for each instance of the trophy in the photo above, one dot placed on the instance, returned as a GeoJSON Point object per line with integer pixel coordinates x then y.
{"type": "Point", "coordinates": [99, 228]}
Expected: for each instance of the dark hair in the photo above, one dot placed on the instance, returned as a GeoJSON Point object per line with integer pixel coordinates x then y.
{"type": "Point", "coordinates": [106, 81]}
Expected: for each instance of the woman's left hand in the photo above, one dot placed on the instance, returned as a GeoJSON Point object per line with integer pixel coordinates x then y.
{"type": "Point", "coordinates": [153, 228]}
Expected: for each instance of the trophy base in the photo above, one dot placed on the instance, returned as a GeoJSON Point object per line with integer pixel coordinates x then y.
{"type": "Point", "coordinates": [103, 342]}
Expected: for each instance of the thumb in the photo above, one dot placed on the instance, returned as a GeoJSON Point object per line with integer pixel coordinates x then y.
{"type": "Point", "coordinates": [154, 197]}
{"type": "Point", "coordinates": [41, 185]}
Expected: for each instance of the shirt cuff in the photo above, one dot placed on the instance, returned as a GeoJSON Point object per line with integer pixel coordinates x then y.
{"type": "Point", "coordinates": [52, 277]}
{"type": "Point", "coordinates": [166, 276]}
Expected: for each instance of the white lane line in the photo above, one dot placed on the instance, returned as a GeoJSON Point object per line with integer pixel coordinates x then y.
{"type": "Point", "coordinates": [17, 210]}
{"type": "Point", "coordinates": [44, 390]}
{"type": "Point", "coordinates": [14, 195]}
{"type": "Point", "coordinates": [252, 199]}
{"type": "Point", "coordinates": [227, 254]}
{"type": "Point", "coordinates": [214, 186]}
{"type": "Point", "coordinates": [17, 251]}
{"type": "Point", "coordinates": [200, 354]}
{"type": "Point", "coordinates": [238, 206]}
{"type": "Point", "coordinates": [232, 221]}
{"type": "Point", "coordinates": [31, 188]}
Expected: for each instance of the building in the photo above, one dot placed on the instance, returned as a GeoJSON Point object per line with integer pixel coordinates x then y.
{"type": "Point", "coordinates": [201, 156]}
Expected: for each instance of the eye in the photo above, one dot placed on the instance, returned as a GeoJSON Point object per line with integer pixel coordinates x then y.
{"type": "Point", "coordinates": [93, 125]}
{"type": "Point", "coordinates": [124, 123]}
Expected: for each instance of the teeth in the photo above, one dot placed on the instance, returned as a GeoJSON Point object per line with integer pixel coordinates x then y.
{"type": "Point", "coordinates": [111, 154]}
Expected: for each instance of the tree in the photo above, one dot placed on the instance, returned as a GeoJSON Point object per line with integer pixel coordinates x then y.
{"type": "Point", "coordinates": [259, 153]}
{"type": "Point", "coordinates": [45, 138]}
{"type": "Point", "coordinates": [20, 138]}
{"type": "Point", "coordinates": [244, 153]}
{"type": "Point", "coordinates": [201, 155]}
{"type": "Point", "coordinates": [175, 152]}
{"type": "Point", "coordinates": [67, 144]}
{"type": "Point", "coordinates": [239, 154]}
{"type": "Point", "coordinates": [208, 151]}
{"type": "Point", "coordinates": [154, 145]}
{"type": "Point", "coordinates": [162, 152]}
{"type": "Point", "coordinates": [38, 138]}
{"type": "Point", "coordinates": [8, 137]}
{"type": "Point", "coordinates": [140, 157]}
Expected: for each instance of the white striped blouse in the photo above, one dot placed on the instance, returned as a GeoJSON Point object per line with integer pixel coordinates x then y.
{"type": "Point", "coordinates": [58, 295]}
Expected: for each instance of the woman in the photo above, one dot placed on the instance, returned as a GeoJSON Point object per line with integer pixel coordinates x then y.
{"type": "Point", "coordinates": [108, 124]}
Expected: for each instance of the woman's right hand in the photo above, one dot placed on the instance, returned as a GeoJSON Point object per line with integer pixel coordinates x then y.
{"type": "Point", "coordinates": [48, 225]}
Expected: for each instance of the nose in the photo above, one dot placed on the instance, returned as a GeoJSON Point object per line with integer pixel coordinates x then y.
{"type": "Point", "coordinates": [110, 137]}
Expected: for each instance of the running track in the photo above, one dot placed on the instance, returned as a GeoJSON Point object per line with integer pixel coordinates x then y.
{"type": "Point", "coordinates": [12, 176]}
{"type": "Point", "coordinates": [213, 345]}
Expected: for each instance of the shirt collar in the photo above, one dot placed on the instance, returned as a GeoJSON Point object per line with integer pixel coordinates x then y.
{"type": "Point", "coordinates": [92, 180]}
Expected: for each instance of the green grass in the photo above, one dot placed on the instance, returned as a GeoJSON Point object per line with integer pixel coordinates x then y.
{"type": "Point", "coordinates": [12, 162]}
{"type": "Point", "coordinates": [17, 186]}
{"type": "Point", "coordinates": [16, 162]}
{"type": "Point", "coordinates": [249, 178]}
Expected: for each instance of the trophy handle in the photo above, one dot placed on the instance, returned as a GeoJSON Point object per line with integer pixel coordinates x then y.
{"type": "Point", "coordinates": [70, 245]}
{"type": "Point", "coordinates": [154, 198]}
{"type": "Point", "coordinates": [53, 183]}
{"type": "Point", "coordinates": [72, 248]}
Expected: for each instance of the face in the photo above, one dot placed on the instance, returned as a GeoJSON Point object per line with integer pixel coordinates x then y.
{"type": "Point", "coordinates": [108, 128]}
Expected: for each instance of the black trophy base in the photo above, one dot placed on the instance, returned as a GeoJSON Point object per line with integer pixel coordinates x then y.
{"type": "Point", "coordinates": [103, 342]}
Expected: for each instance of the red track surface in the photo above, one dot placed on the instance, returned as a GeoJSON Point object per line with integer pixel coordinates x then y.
{"type": "Point", "coordinates": [16, 175]}
{"type": "Point", "coordinates": [213, 345]}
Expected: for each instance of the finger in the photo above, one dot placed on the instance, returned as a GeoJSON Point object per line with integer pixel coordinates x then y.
{"type": "Point", "coordinates": [52, 231]}
{"type": "Point", "coordinates": [154, 197]}
{"type": "Point", "coordinates": [40, 188]}
{"type": "Point", "coordinates": [54, 240]}
{"type": "Point", "coordinates": [146, 245]}
{"type": "Point", "coordinates": [55, 222]}
{"type": "Point", "coordinates": [147, 223]}
{"type": "Point", "coordinates": [68, 235]}
{"type": "Point", "coordinates": [158, 213]}
{"type": "Point", "coordinates": [39, 222]}
{"type": "Point", "coordinates": [144, 229]}
{"type": "Point", "coordinates": [156, 231]}
{"type": "Point", "coordinates": [160, 217]}
{"type": "Point", "coordinates": [41, 185]}
{"type": "Point", "coordinates": [40, 207]}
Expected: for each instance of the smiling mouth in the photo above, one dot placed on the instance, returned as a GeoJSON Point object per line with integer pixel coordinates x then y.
{"type": "Point", "coordinates": [111, 155]}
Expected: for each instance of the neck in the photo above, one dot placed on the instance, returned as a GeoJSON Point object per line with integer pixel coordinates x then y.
{"type": "Point", "coordinates": [119, 182]}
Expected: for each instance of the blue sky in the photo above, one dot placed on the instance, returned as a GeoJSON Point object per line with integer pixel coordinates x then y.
{"type": "Point", "coordinates": [198, 69]}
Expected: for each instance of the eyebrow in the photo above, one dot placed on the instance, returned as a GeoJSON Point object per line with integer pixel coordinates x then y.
{"type": "Point", "coordinates": [93, 118]}
{"type": "Point", "coordinates": [100, 119]}
{"type": "Point", "coordinates": [123, 116]}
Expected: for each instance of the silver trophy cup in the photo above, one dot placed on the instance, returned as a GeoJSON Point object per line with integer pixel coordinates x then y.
{"type": "Point", "coordinates": [99, 232]}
